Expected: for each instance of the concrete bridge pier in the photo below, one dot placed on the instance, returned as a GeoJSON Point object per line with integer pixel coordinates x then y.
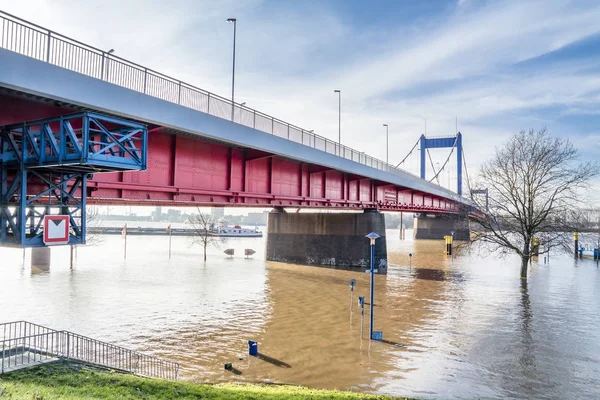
{"type": "Point", "coordinates": [437, 226]}
{"type": "Point", "coordinates": [40, 258]}
{"type": "Point", "coordinates": [335, 240]}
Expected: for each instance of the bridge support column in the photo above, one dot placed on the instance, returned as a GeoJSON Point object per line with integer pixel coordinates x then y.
{"type": "Point", "coordinates": [40, 258]}
{"type": "Point", "coordinates": [437, 226]}
{"type": "Point", "coordinates": [326, 239]}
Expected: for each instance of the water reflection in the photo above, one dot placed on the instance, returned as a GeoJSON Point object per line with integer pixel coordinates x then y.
{"type": "Point", "coordinates": [463, 327]}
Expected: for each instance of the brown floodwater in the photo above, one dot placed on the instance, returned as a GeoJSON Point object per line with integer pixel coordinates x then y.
{"type": "Point", "coordinates": [453, 328]}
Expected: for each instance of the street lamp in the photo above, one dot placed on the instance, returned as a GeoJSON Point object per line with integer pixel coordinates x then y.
{"type": "Point", "coordinates": [107, 62]}
{"type": "Point", "coordinates": [233, 21]}
{"type": "Point", "coordinates": [339, 92]}
{"type": "Point", "coordinates": [372, 237]}
{"type": "Point", "coordinates": [387, 141]}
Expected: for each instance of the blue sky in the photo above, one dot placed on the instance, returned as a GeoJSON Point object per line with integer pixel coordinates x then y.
{"type": "Point", "coordinates": [499, 66]}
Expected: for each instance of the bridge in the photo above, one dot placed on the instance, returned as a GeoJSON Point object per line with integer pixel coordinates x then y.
{"type": "Point", "coordinates": [82, 126]}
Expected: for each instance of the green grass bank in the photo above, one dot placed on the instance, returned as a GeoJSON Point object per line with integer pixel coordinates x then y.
{"type": "Point", "coordinates": [66, 381]}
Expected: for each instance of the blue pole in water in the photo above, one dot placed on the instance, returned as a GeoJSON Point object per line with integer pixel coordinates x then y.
{"type": "Point", "coordinates": [372, 237]}
{"type": "Point", "coordinates": [372, 289]}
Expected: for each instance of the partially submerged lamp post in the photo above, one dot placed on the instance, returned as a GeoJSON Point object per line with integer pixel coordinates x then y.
{"type": "Point", "coordinates": [372, 237]}
{"type": "Point", "coordinates": [352, 283]}
{"type": "Point", "coordinates": [361, 303]}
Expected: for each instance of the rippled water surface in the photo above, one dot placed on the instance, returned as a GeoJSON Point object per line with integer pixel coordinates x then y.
{"type": "Point", "coordinates": [463, 328]}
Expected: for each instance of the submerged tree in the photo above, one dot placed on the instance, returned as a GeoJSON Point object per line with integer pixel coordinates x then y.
{"type": "Point", "coordinates": [534, 182]}
{"type": "Point", "coordinates": [204, 229]}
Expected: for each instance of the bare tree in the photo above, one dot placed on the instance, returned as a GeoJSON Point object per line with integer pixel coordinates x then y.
{"type": "Point", "coordinates": [534, 182]}
{"type": "Point", "coordinates": [93, 221]}
{"type": "Point", "coordinates": [91, 239]}
{"type": "Point", "coordinates": [204, 229]}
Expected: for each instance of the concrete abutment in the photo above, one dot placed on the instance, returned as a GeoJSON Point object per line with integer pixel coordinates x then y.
{"type": "Point", "coordinates": [437, 226]}
{"type": "Point", "coordinates": [335, 240]}
{"type": "Point", "coordinates": [40, 258]}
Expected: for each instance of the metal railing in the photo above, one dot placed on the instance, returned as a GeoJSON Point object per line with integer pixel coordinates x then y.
{"type": "Point", "coordinates": [26, 344]}
{"type": "Point", "coordinates": [34, 41]}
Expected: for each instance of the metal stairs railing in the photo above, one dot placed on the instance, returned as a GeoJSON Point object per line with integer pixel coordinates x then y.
{"type": "Point", "coordinates": [25, 344]}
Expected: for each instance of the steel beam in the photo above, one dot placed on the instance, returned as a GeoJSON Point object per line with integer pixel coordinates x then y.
{"type": "Point", "coordinates": [44, 168]}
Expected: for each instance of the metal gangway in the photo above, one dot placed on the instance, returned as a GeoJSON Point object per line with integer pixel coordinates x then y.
{"type": "Point", "coordinates": [25, 344]}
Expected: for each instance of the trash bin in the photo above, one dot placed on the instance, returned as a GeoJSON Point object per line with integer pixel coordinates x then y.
{"type": "Point", "coordinates": [252, 348]}
{"type": "Point", "coordinates": [595, 254]}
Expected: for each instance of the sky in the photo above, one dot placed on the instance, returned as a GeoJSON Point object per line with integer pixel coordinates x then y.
{"type": "Point", "coordinates": [496, 67]}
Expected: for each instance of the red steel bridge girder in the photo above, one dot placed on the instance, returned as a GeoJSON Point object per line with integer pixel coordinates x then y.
{"type": "Point", "coordinates": [187, 171]}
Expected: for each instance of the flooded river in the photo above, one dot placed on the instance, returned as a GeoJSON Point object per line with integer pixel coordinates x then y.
{"type": "Point", "coordinates": [465, 328]}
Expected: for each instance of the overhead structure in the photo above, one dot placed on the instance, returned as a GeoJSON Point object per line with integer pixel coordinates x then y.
{"type": "Point", "coordinates": [45, 165]}
{"type": "Point", "coordinates": [452, 142]}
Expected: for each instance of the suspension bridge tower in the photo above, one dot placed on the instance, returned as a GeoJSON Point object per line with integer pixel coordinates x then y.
{"type": "Point", "coordinates": [437, 226]}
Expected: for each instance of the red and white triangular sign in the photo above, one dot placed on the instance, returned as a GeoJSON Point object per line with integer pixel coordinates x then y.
{"type": "Point", "coordinates": [56, 229]}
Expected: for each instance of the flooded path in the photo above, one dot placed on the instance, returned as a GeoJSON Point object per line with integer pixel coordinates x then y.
{"type": "Point", "coordinates": [463, 328]}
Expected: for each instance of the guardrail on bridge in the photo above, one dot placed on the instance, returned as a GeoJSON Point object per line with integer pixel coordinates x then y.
{"type": "Point", "coordinates": [34, 41]}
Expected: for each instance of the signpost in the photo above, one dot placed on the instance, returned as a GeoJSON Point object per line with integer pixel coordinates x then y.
{"type": "Point", "coordinates": [361, 303]}
{"type": "Point", "coordinates": [352, 283]}
{"type": "Point", "coordinates": [56, 229]}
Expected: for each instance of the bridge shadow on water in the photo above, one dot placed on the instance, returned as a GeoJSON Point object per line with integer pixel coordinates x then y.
{"type": "Point", "coordinates": [431, 274]}
{"type": "Point", "coordinates": [273, 361]}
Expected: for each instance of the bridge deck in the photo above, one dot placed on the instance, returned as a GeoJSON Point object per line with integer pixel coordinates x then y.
{"type": "Point", "coordinates": [177, 113]}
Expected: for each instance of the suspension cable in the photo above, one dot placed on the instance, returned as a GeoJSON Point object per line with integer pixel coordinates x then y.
{"type": "Point", "coordinates": [409, 153]}
{"type": "Point", "coordinates": [447, 159]}
{"type": "Point", "coordinates": [466, 171]}
{"type": "Point", "coordinates": [436, 173]}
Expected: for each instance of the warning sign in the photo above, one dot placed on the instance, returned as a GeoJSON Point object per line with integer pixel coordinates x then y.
{"type": "Point", "coordinates": [56, 229]}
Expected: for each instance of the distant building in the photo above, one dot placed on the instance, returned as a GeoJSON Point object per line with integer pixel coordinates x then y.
{"type": "Point", "coordinates": [217, 212]}
{"type": "Point", "coordinates": [255, 218]}
{"type": "Point", "coordinates": [157, 214]}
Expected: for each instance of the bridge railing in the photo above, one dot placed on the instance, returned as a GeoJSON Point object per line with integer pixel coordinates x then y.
{"type": "Point", "coordinates": [43, 44]}
{"type": "Point", "coordinates": [25, 344]}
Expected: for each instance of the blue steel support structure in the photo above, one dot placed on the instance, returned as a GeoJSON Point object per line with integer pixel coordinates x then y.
{"type": "Point", "coordinates": [443, 142]}
{"type": "Point", "coordinates": [45, 164]}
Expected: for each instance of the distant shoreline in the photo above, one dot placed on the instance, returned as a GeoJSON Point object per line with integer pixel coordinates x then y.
{"type": "Point", "coordinates": [152, 232]}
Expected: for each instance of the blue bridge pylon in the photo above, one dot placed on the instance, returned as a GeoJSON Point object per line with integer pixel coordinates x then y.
{"type": "Point", "coordinates": [45, 164]}
{"type": "Point", "coordinates": [443, 142]}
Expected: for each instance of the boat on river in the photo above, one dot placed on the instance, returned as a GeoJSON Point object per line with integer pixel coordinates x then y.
{"type": "Point", "coordinates": [237, 231]}
{"type": "Point", "coordinates": [589, 251]}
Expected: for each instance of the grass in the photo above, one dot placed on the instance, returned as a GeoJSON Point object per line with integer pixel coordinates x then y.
{"type": "Point", "coordinates": [66, 381]}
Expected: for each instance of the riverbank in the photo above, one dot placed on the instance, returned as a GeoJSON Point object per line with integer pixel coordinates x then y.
{"type": "Point", "coordinates": [70, 381]}
{"type": "Point", "coordinates": [99, 230]}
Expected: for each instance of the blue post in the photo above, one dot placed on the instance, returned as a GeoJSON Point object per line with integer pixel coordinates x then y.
{"type": "Point", "coordinates": [371, 306]}
{"type": "Point", "coordinates": [352, 283]}
{"type": "Point", "coordinates": [423, 147]}
{"type": "Point", "coordinates": [372, 237]}
{"type": "Point", "coordinates": [361, 302]}
{"type": "Point", "coordinates": [459, 163]}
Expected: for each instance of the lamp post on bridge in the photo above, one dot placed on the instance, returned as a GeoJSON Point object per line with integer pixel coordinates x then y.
{"type": "Point", "coordinates": [234, 22]}
{"type": "Point", "coordinates": [339, 92]}
{"type": "Point", "coordinates": [387, 142]}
